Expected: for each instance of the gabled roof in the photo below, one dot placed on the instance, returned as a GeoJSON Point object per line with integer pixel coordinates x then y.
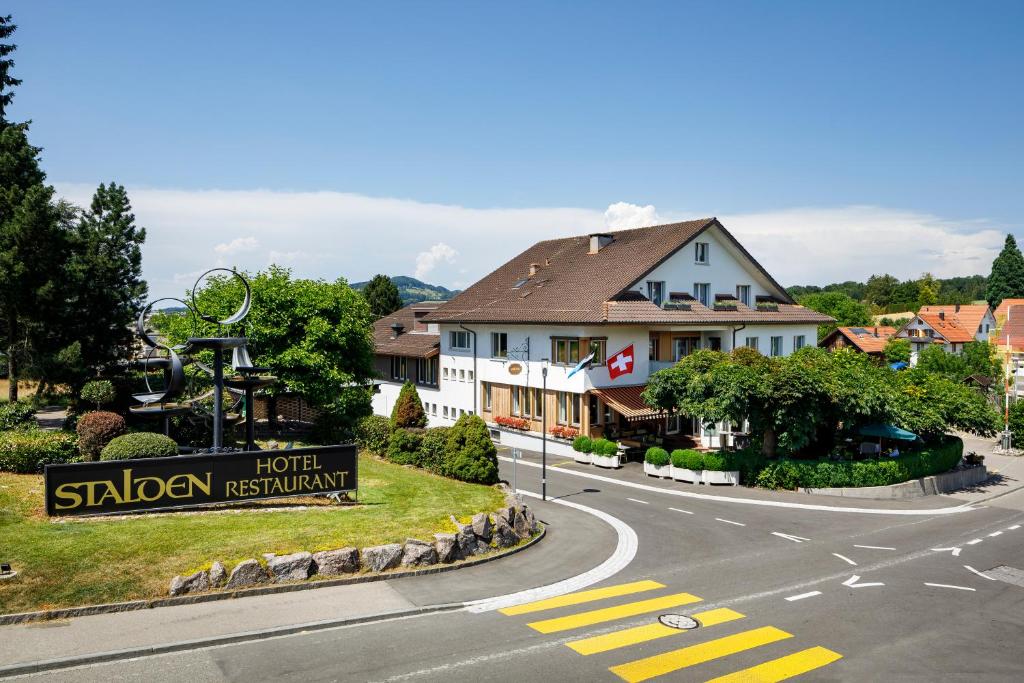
{"type": "Point", "coordinates": [1004, 308]}
{"type": "Point", "coordinates": [950, 328]}
{"type": "Point", "coordinates": [1013, 328]}
{"type": "Point", "coordinates": [409, 342]}
{"type": "Point", "coordinates": [571, 285]}
{"type": "Point", "coordinates": [968, 315]}
{"type": "Point", "coordinates": [867, 339]}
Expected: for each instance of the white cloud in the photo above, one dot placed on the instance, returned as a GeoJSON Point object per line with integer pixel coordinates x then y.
{"type": "Point", "coordinates": [622, 215]}
{"type": "Point", "coordinates": [427, 260]}
{"type": "Point", "coordinates": [332, 234]}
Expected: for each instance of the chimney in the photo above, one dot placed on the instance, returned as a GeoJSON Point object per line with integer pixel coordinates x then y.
{"type": "Point", "coordinates": [599, 241]}
{"type": "Point", "coordinates": [876, 331]}
{"type": "Point", "coordinates": [533, 269]}
{"type": "Point", "coordinates": [942, 315]}
{"type": "Point", "coordinates": [957, 308]}
{"type": "Point", "coordinates": [547, 261]}
{"type": "Point", "coordinates": [396, 329]}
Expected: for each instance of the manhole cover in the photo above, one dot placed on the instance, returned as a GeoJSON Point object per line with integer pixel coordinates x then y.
{"type": "Point", "coordinates": [680, 621]}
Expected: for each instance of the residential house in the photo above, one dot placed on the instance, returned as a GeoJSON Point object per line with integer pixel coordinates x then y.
{"type": "Point", "coordinates": [1002, 311]}
{"type": "Point", "coordinates": [1010, 342]}
{"type": "Point", "coordinates": [407, 350]}
{"type": "Point", "coordinates": [949, 326]}
{"type": "Point", "coordinates": [869, 340]}
{"type": "Point", "coordinates": [639, 299]}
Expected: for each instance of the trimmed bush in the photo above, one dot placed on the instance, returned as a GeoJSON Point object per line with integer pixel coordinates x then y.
{"type": "Point", "coordinates": [26, 451]}
{"type": "Point", "coordinates": [748, 462]}
{"type": "Point", "coordinates": [715, 462]}
{"type": "Point", "coordinates": [96, 430]}
{"type": "Point", "coordinates": [99, 391]}
{"type": "Point", "coordinates": [408, 411]}
{"type": "Point", "coordinates": [373, 433]}
{"type": "Point", "coordinates": [139, 445]}
{"type": "Point", "coordinates": [472, 456]}
{"type": "Point", "coordinates": [687, 459]}
{"type": "Point", "coordinates": [404, 447]}
{"type": "Point", "coordinates": [17, 414]}
{"type": "Point", "coordinates": [433, 449]}
{"type": "Point", "coordinates": [583, 444]}
{"type": "Point", "coordinates": [604, 447]}
{"type": "Point", "coordinates": [657, 456]}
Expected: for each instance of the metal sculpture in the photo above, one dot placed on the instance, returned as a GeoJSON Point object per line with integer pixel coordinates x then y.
{"type": "Point", "coordinates": [171, 360]}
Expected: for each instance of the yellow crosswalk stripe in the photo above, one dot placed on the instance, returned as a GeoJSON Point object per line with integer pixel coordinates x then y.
{"type": "Point", "coordinates": [658, 665]}
{"type": "Point", "coordinates": [648, 632]}
{"type": "Point", "coordinates": [597, 616]}
{"type": "Point", "coordinates": [782, 668]}
{"type": "Point", "coordinates": [581, 597]}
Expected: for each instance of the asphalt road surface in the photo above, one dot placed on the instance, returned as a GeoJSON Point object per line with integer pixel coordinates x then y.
{"type": "Point", "coordinates": [775, 592]}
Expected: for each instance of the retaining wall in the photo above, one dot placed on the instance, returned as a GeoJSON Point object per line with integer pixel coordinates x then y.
{"type": "Point", "coordinates": [915, 488]}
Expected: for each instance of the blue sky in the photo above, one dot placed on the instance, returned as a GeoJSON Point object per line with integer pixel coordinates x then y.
{"type": "Point", "coordinates": [531, 118]}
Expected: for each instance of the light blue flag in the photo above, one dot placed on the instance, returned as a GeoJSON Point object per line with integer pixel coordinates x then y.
{"type": "Point", "coordinates": [582, 364]}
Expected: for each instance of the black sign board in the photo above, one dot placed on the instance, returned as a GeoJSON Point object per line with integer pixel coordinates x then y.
{"type": "Point", "coordinates": [191, 480]}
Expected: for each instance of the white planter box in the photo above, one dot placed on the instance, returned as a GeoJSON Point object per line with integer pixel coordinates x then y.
{"type": "Point", "coordinates": [605, 460]}
{"type": "Point", "coordinates": [715, 477]}
{"type": "Point", "coordinates": [684, 474]}
{"type": "Point", "coordinates": [585, 458]}
{"type": "Point", "coordinates": [655, 471]}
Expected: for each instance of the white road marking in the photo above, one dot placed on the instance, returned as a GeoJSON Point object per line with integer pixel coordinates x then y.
{"type": "Point", "coordinates": [790, 537]}
{"type": "Point", "coordinates": [845, 559]}
{"type": "Point", "coordinates": [852, 583]}
{"type": "Point", "coordinates": [729, 521]}
{"type": "Point", "coordinates": [874, 547]}
{"type": "Point", "coordinates": [966, 507]}
{"type": "Point", "coordinates": [956, 551]}
{"type": "Point", "coordinates": [976, 541]}
{"type": "Point", "coordinates": [642, 502]}
{"type": "Point", "coordinates": [685, 512]}
{"type": "Point", "coordinates": [972, 569]}
{"type": "Point", "coordinates": [1014, 527]}
{"type": "Point", "coordinates": [625, 551]}
{"type": "Point", "coordinates": [946, 585]}
{"type": "Point", "coordinates": [793, 598]}
{"type": "Point", "coordinates": [995, 533]}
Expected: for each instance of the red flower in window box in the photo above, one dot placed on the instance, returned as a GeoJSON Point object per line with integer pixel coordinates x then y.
{"type": "Point", "coordinates": [564, 432]}
{"type": "Point", "coordinates": [512, 422]}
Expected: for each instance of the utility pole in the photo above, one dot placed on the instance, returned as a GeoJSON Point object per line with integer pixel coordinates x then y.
{"type": "Point", "coordinates": [544, 430]}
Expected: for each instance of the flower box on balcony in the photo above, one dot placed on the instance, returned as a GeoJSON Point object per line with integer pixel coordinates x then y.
{"type": "Point", "coordinates": [511, 422]}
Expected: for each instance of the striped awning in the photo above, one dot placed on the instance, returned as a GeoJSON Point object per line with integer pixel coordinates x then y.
{"type": "Point", "coordinates": [627, 402]}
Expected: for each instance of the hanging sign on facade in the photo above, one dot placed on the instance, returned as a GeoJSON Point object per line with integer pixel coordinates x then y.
{"type": "Point", "coordinates": [514, 368]}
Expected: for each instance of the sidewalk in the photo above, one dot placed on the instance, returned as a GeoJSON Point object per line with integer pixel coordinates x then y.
{"type": "Point", "coordinates": [574, 542]}
{"type": "Point", "coordinates": [1006, 472]}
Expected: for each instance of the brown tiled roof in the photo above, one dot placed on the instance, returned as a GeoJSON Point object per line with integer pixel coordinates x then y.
{"type": "Point", "coordinates": [867, 339]}
{"type": "Point", "coordinates": [409, 342]}
{"type": "Point", "coordinates": [968, 315]}
{"type": "Point", "coordinates": [950, 328]}
{"type": "Point", "coordinates": [1004, 307]}
{"type": "Point", "coordinates": [1013, 328]}
{"type": "Point", "coordinates": [571, 285]}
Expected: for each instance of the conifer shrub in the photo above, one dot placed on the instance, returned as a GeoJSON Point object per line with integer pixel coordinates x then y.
{"type": "Point", "coordinates": [404, 447]}
{"type": "Point", "coordinates": [471, 454]}
{"type": "Point", "coordinates": [96, 430]}
{"type": "Point", "coordinates": [408, 411]}
{"type": "Point", "coordinates": [139, 445]}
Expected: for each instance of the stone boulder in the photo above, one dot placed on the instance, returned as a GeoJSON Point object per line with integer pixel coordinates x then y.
{"type": "Point", "coordinates": [447, 547]}
{"type": "Point", "coordinates": [469, 543]}
{"type": "Point", "coordinates": [482, 526]}
{"type": "Point", "coordinates": [530, 519]}
{"type": "Point", "coordinates": [247, 573]}
{"type": "Point", "coordinates": [294, 567]}
{"type": "Point", "coordinates": [336, 562]}
{"type": "Point", "coordinates": [218, 574]}
{"type": "Point", "coordinates": [504, 535]}
{"type": "Point", "coordinates": [521, 526]}
{"type": "Point", "coordinates": [196, 583]}
{"type": "Point", "coordinates": [506, 513]}
{"type": "Point", "coordinates": [380, 557]}
{"type": "Point", "coordinates": [418, 553]}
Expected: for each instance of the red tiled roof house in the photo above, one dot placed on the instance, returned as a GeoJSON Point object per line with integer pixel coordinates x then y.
{"type": "Point", "coordinates": [949, 326]}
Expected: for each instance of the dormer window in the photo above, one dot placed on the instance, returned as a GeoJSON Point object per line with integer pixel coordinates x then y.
{"type": "Point", "coordinates": [656, 292]}
{"type": "Point", "coordinates": [700, 253]}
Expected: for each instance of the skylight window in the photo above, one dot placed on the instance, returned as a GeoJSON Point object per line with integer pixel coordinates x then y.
{"type": "Point", "coordinates": [520, 283]}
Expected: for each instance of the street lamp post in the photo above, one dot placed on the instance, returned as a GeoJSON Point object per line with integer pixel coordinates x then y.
{"type": "Point", "coordinates": [544, 431]}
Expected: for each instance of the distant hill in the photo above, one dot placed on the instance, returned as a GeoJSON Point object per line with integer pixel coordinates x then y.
{"type": "Point", "coordinates": [413, 291]}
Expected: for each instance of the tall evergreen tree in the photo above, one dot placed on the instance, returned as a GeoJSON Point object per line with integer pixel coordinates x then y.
{"type": "Point", "coordinates": [382, 295]}
{"type": "Point", "coordinates": [1007, 278]}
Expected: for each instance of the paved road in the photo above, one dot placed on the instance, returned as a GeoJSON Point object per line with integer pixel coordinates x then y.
{"type": "Point", "coordinates": [779, 591]}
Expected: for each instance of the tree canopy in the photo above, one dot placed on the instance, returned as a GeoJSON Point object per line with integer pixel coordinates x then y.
{"type": "Point", "coordinates": [382, 295]}
{"type": "Point", "coordinates": [845, 310]}
{"type": "Point", "coordinates": [1006, 280]}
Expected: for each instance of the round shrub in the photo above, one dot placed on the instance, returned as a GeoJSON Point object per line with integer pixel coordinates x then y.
{"type": "Point", "coordinates": [373, 433]}
{"type": "Point", "coordinates": [17, 414]}
{"type": "Point", "coordinates": [677, 457]}
{"type": "Point", "coordinates": [610, 448]}
{"type": "Point", "coordinates": [582, 444]}
{"type": "Point", "coordinates": [657, 456]}
{"type": "Point", "coordinates": [434, 448]}
{"type": "Point", "coordinates": [99, 391]}
{"type": "Point", "coordinates": [408, 410]}
{"type": "Point", "coordinates": [472, 456]}
{"type": "Point", "coordinates": [715, 462]}
{"type": "Point", "coordinates": [688, 459]}
{"type": "Point", "coordinates": [139, 445]}
{"type": "Point", "coordinates": [404, 447]}
{"type": "Point", "coordinates": [27, 451]}
{"type": "Point", "coordinates": [96, 430]}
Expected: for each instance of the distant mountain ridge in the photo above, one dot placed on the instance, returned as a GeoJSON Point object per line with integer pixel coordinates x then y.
{"type": "Point", "coordinates": [413, 291]}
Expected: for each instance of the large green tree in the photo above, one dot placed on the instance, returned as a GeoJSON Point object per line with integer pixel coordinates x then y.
{"type": "Point", "coordinates": [382, 295]}
{"type": "Point", "coordinates": [1006, 280]}
{"type": "Point", "coordinates": [847, 311]}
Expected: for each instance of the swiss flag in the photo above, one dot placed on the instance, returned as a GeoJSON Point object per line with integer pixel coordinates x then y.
{"type": "Point", "coordinates": [621, 363]}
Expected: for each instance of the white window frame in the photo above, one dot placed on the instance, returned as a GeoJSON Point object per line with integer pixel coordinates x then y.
{"type": "Point", "coordinates": [487, 397]}
{"type": "Point", "coordinates": [743, 294]}
{"type": "Point", "coordinates": [399, 368]}
{"type": "Point", "coordinates": [457, 336]}
{"type": "Point", "coordinates": [702, 292]}
{"type": "Point", "coordinates": [756, 343]}
{"type": "Point", "coordinates": [499, 345]}
{"type": "Point", "coordinates": [702, 253]}
{"type": "Point", "coordinates": [799, 341]}
{"type": "Point", "coordinates": [776, 339]}
{"type": "Point", "coordinates": [660, 285]}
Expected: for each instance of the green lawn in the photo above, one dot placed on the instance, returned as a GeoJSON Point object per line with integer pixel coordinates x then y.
{"type": "Point", "coordinates": [89, 561]}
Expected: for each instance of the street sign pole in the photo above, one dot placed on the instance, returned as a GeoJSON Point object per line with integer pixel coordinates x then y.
{"type": "Point", "coordinates": [516, 454]}
{"type": "Point", "coordinates": [544, 433]}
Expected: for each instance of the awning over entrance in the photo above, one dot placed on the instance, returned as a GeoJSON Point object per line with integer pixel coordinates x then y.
{"type": "Point", "coordinates": [627, 402]}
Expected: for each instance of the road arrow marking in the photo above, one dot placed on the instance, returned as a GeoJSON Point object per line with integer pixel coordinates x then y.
{"type": "Point", "coordinates": [956, 551]}
{"type": "Point", "coordinates": [793, 598]}
{"type": "Point", "coordinates": [984, 576]}
{"type": "Point", "coordinates": [946, 585]}
{"type": "Point", "coordinates": [845, 559]}
{"type": "Point", "coordinates": [874, 547]}
{"type": "Point", "coordinates": [852, 583]}
{"type": "Point", "coordinates": [790, 537]}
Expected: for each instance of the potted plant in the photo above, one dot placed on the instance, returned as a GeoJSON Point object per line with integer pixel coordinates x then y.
{"type": "Point", "coordinates": [717, 470]}
{"type": "Point", "coordinates": [605, 453]}
{"type": "Point", "coordinates": [582, 446]}
{"type": "Point", "coordinates": [657, 463]}
{"type": "Point", "coordinates": [687, 465]}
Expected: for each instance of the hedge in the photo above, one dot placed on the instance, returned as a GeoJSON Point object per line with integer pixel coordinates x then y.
{"type": "Point", "coordinates": [139, 445]}
{"type": "Point", "coordinates": [27, 451]}
{"type": "Point", "coordinates": [404, 447]}
{"type": "Point", "coordinates": [790, 474]}
{"type": "Point", "coordinates": [373, 433]}
{"type": "Point", "coordinates": [688, 459]}
{"type": "Point", "coordinates": [17, 414]}
{"type": "Point", "coordinates": [656, 456]}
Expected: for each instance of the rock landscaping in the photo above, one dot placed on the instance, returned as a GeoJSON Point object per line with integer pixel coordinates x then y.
{"type": "Point", "coordinates": [510, 525]}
